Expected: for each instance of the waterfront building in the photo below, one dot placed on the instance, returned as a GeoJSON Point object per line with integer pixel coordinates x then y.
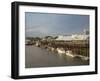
{"type": "Point", "coordinates": [73, 37]}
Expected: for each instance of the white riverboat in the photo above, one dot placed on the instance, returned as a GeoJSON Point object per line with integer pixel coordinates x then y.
{"type": "Point", "coordinates": [69, 53]}
{"type": "Point", "coordinates": [61, 50]}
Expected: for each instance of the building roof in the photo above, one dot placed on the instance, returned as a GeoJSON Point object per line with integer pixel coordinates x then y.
{"type": "Point", "coordinates": [73, 37]}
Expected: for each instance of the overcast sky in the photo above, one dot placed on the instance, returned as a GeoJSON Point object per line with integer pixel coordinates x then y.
{"type": "Point", "coordinates": [47, 24]}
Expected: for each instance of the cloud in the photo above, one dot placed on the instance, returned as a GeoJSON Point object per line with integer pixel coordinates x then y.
{"type": "Point", "coordinates": [54, 24]}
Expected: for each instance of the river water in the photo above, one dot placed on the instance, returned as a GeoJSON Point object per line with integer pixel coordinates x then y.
{"type": "Point", "coordinates": [39, 57]}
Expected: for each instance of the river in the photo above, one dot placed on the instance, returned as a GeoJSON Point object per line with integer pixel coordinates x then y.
{"type": "Point", "coordinates": [39, 57]}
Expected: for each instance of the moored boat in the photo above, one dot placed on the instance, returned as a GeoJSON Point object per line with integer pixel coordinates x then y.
{"type": "Point", "coordinates": [69, 53]}
{"type": "Point", "coordinates": [61, 50]}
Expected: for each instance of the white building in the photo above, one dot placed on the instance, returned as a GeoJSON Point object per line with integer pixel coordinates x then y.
{"type": "Point", "coordinates": [80, 37]}
{"type": "Point", "coordinates": [73, 37]}
{"type": "Point", "coordinates": [65, 38]}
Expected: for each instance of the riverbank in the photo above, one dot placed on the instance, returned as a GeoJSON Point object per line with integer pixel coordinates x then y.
{"type": "Point", "coordinates": [68, 53]}
{"type": "Point", "coordinates": [75, 49]}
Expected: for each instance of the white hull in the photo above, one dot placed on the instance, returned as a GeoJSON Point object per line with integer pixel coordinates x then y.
{"type": "Point", "coordinates": [70, 55]}
{"type": "Point", "coordinates": [60, 51]}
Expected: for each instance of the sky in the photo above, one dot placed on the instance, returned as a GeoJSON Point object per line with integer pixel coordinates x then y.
{"type": "Point", "coordinates": [51, 24]}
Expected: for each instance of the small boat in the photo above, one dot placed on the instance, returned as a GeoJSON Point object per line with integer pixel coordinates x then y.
{"type": "Point", "coordinates": [78, 56]}
{"type": "Point", "coordinates": [82, 57]}
{"type": "Point", "coordinates": [60, 50]}
{"type": "Point", "coordinates": [37, 44]}
{"type": "Point", "coordinates": [69, 53]}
